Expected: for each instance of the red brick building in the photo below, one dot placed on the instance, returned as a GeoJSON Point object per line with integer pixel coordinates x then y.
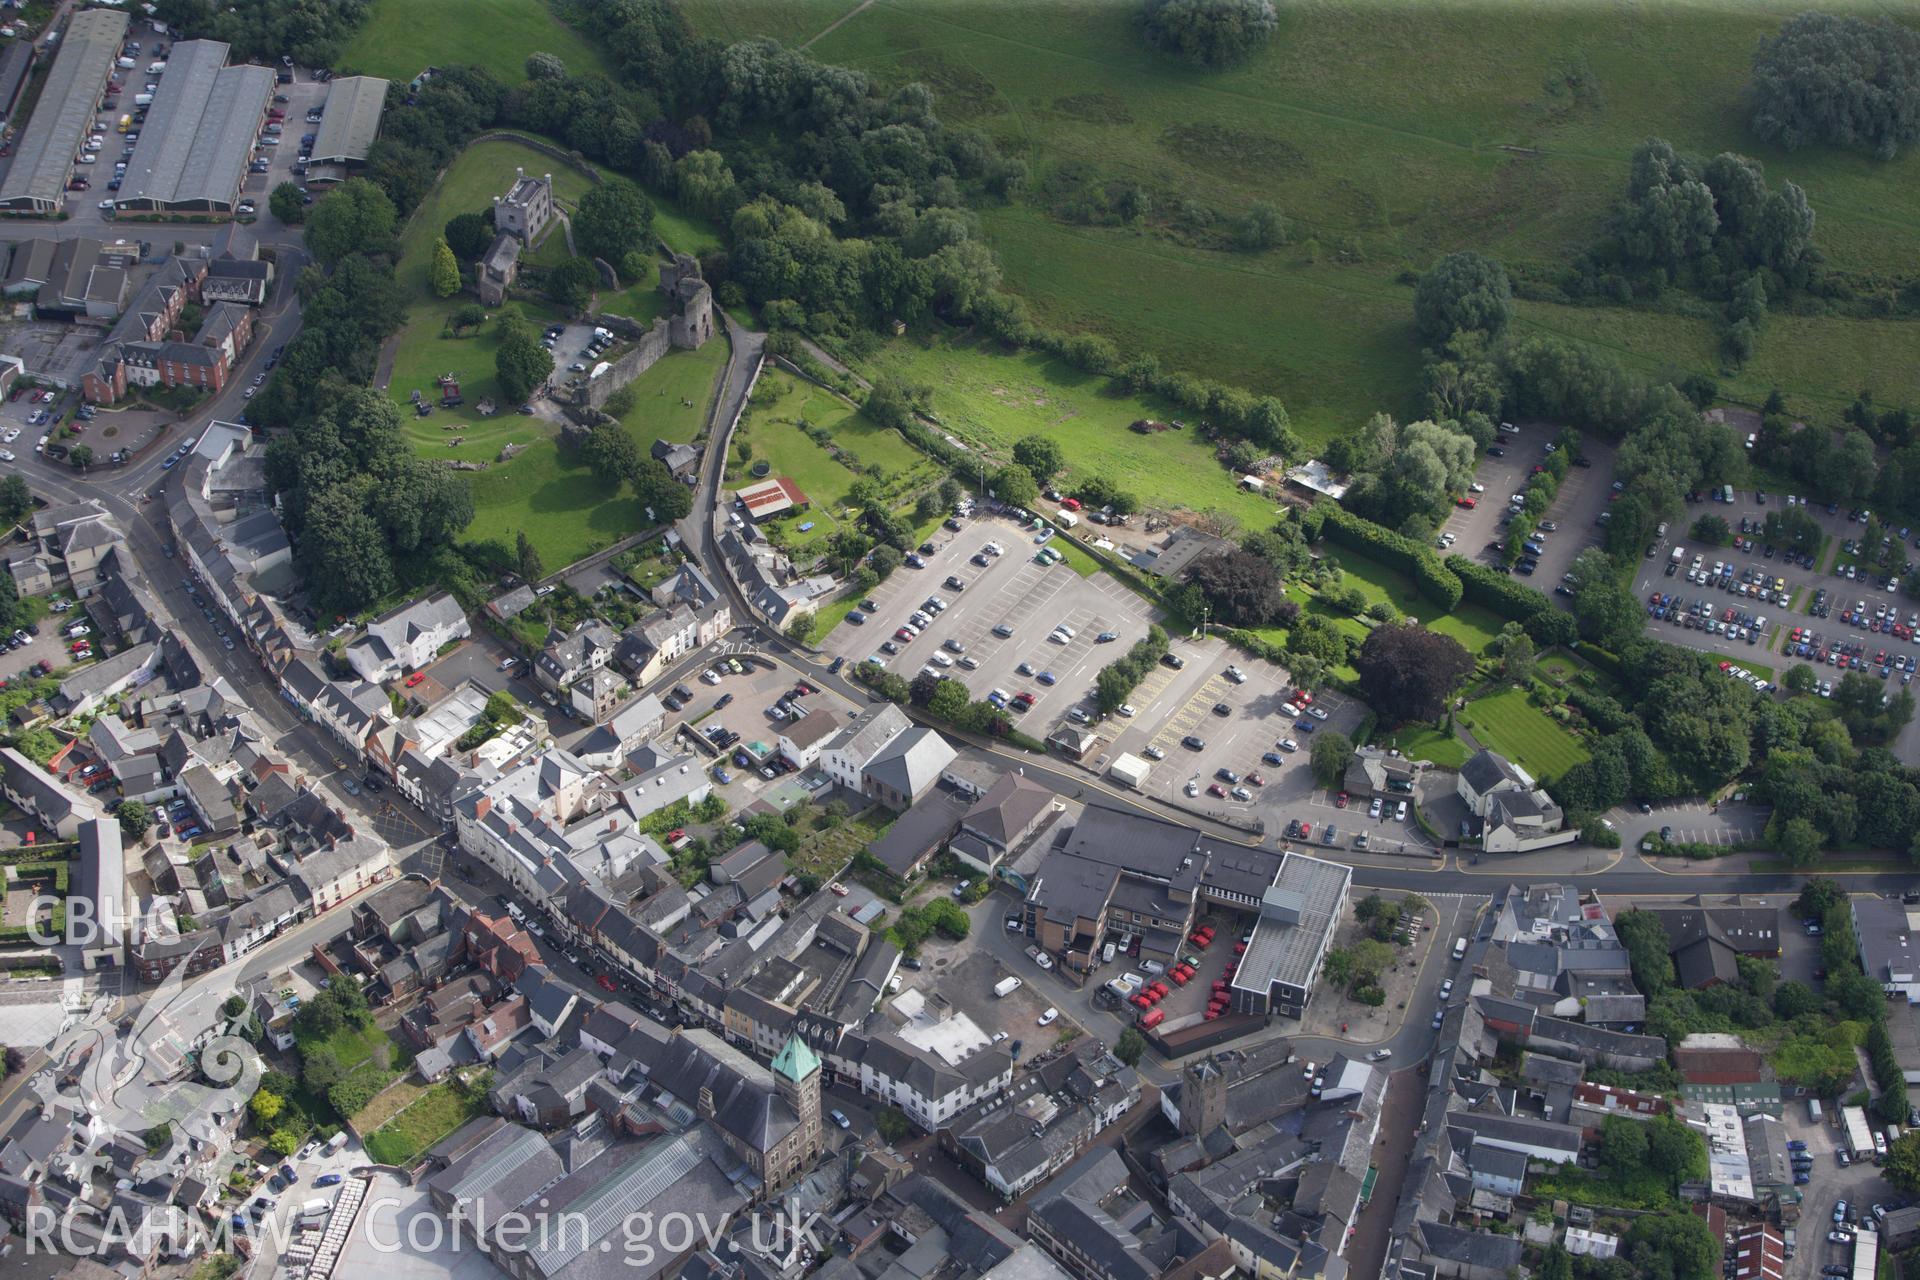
{"type": "Point", "coordinates": [147, 347]}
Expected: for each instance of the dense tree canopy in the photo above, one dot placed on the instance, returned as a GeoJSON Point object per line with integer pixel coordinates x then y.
{"type": "Point", "coordinates": [1210, 33]}
{"type": "Point", "coordinates": [1408, 672]}
{"type": "Point", "coordinates": [469, 235]}
{"type": "Point", "coordinates": [614, 217]}
{"type": "Point", "coordinates": [1462, 291]}
{"type": "Point", "coordinates": [1713, 221]}
{"type": "Point", "coordinates": [1242, 588]}
{"type": "Point", "coordinates": [313, 32]}
{"type": "Point", "coordinates": [520, 362]}
{"type": "Point", "coordinates": [1852, 82]}
{"type": "Point", "coordinates": [355, 497]}
{"type": "Point", "coordinates": [355, 217]}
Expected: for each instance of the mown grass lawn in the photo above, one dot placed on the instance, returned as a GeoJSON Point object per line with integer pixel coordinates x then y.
{"type": "Point", "coordinates": [435, 1114]}
{"type": "Point", "coordinates": [990, 400]}
{"type": "Point", "coordinates": [566, 509]}
{"type": "Point", "coordinates": [1472, 625]}
{"type": "Point", "coordinates": [478, 174]}
{"type": "Point", "coordinates": [1424, 742]}
{"type": "Point", "coordinates": [495, 34]}
{"type": "Point", "coordinates": [1507, 723]}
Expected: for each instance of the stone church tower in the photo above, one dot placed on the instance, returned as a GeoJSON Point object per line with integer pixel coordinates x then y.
{"type": "Point", "coordinates": [1203, 1097]}
{"type": "Point", "coordinates": [796, 1074]}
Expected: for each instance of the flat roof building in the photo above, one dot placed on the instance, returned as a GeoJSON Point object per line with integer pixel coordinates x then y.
{"type": "Point", "coordinates": [347, 130]}
{"type": "Point", "coordinates": [198, 136]}
{"type": "Point", "coordinates": [1298, 915]}
{"type": "Point", "coordinates": [63, 118]}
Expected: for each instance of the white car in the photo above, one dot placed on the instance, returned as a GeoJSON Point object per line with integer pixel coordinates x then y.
{"type": "Point", "coordinates": [1476, 487]}
{"type": "Point", "coordinates": [1379, 1055]}
{"type": "Point", "coordinates": [710, 676]}
{"type": "Point", "coordinates": [1288, 744]}
{"type": "Point", "coordinates": [506, 664]}
{"type": "Point", "coordinates": [1048, 1018]}
{"type": "Point", "coordinates": [1128, 710]}
{"type": "Point", "coordinates": [12, 434]}
{"type": "Point", "coordinates": [1193, 788]}
{"type": "Point", "coordinates": [1236, 675]}
{"type": "Point", "coordinates": [6, 455]}
{"type": "Point", "coordinates": [1316, 713]}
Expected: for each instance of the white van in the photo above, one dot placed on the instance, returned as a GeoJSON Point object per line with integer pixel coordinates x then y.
{"type": "Point", "coordinates": [316, 1207]}
{"type": "Point", "coordinates": [125, 64]}
{"type": "Point", "coordinates": [1459, 948]}
{"type": "Point", "coordinates": [142, 99]}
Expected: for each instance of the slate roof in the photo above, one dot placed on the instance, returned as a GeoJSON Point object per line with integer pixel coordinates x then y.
{"type": "Point", "coordinates": [1485, 770]}
{"type": "Point", "coordinates": [1009, 807]}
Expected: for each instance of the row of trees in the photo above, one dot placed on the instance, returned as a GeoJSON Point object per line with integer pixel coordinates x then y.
{"type": "Point", "coordinates": [1117, 679]}
{"type": "Point", "coordinates": [313, 32]}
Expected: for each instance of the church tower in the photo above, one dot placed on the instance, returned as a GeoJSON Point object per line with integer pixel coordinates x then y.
{"type": "Point", "coordinates": [796, 1073]}
{"type": "Point", "coordinates": [1203, 1097]}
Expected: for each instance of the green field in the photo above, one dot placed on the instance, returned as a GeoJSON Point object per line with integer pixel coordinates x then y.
{"type": "Point", "coordinates": [990, 400]}
{"type": "Point", "coordinates": [770, 429]}
{"type": "Point", "coordinates": [568, 511]}
{"type": "Point", "coordinates": [1507, 723]}
{"type": "Point", "coordinates": [435, 1114]}
{"type": "Point", "coordinates": [1380, 165]}
{"type": "Point", "coordinates": [495, 34]}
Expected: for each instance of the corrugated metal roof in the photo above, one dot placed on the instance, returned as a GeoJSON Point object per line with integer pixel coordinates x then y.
{"type": "Point", "coordinates": [61, 121]}
{"type": "Point", "coordinates": [352, 119]}
{"type": "Point", "coordinates": [198, 135]}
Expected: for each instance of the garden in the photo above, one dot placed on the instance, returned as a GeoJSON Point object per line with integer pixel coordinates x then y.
{"type": "Point", "coordinates": [436, 1112]}
{"type": "Point", "coordinates": [991, 399]}
{"type": "Point", "coordinates": [824, 445]}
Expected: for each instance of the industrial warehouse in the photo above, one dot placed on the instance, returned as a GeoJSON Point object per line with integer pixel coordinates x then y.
{"type": "Point", "coordinates": [63, 117]}
{"type": "Point", "coordinates": [198, 137]}
{"type": "Point", "coordinates": [347, 130]}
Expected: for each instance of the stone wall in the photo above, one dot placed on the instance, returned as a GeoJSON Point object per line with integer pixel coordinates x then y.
{"type": "Point", "coordinates": [647, 351]}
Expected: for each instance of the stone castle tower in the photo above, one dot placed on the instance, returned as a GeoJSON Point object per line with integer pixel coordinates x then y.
{"type": "Point", "coordinates": [1203, 1097]}
{"type": "Point", "coordinates": [692, 323]}
{"type": "Point", "coordinates": [796, 1074]}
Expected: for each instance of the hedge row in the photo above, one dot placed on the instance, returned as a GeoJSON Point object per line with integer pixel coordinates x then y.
{"type": "Point", "coordinates": [1500, 593]}
{"type": "Point", "coordinates": [1434, 580]}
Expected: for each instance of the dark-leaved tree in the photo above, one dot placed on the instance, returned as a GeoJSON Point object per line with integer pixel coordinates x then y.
{"type": "Point", "coordinates": [1408, 672]}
